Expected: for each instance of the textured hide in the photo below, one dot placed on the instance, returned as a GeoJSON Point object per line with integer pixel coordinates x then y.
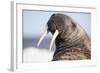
{"type": "Point", "coordinates": [72, 43]}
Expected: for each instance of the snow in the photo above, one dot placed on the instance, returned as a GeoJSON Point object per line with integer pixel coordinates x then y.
{"type": "Point", "coordinates": [31, 55]}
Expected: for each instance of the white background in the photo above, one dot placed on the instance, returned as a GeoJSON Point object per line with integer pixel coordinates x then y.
{"type": "Point", "coordinates": [5, 37]}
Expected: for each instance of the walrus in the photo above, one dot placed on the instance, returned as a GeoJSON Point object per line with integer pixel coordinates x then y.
{"type": "Point", "coordinates": [71, 40]}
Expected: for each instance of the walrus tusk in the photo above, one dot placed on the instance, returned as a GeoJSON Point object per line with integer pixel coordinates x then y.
{"type": "Point", "coordinates": [53, 39]}
{"type": "Point", "coordinates": [42, 37]}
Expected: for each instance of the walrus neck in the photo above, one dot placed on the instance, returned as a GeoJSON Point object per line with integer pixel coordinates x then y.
{"type": "Point", "coordinates": [66, 45]}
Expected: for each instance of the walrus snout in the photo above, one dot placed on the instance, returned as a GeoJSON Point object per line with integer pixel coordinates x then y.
{"type": "Point", "coordinates": [51, 26]}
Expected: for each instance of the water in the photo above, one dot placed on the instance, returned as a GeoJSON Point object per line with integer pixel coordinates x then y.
{"type": "Point", "coordinates": [32, 41]}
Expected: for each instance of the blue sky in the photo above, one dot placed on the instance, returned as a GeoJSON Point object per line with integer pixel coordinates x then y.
{"type": "Point", "coordinates": [34, 22]}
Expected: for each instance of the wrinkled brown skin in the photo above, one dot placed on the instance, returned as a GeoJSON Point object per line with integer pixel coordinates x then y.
{"type": "Point", "coordinates": [72, 43]}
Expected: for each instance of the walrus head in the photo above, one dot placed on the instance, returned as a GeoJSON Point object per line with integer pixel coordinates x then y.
{"type": "Point", "coordinates": [58, 25]}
